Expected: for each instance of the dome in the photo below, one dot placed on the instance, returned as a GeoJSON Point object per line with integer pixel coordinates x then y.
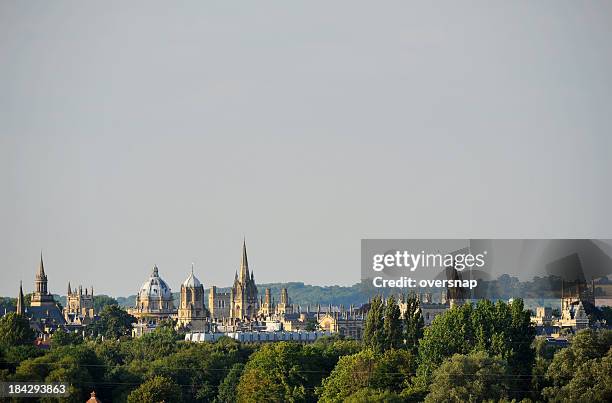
{"type": "Point", "coordinates": [155, 287]}
{"type": "Point", "coordinates": [192, 281]}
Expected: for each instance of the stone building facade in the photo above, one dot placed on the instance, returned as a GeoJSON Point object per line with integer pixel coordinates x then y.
{"type": "Point", "coordinates": [218, 304]}
{"type": "Point", "coordinates": [268, 306]}
{"type": "Point", "coordinates": [79, 309]}
{"type": "Point", "coordinates": [347, 323]}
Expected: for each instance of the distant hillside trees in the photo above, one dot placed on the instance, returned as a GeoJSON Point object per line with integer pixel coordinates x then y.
{"type": "Point", "coordinates": [101, 301]}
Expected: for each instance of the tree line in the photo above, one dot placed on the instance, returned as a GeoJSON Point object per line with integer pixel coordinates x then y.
{"type": "Point", "coordinates": [475, 352]}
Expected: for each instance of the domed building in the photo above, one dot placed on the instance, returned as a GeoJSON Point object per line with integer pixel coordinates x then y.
{"type": "Point", "coordinates": [192, 313]}
{"type": "Point", "coordinates": [154, 302]}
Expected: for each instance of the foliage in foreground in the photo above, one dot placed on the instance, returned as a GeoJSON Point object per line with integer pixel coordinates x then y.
{"type": "Point", "coordinates": [476, 352]}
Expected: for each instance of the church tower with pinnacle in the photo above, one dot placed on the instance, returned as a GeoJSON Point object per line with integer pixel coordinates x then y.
{"type": "Point", "coordinates": [41, 296]}
{"type": "Point", "coordinates": [243, 296]}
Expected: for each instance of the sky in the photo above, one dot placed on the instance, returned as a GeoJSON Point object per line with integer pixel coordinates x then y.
{"type": "Point", "coordinates": [142, 133]}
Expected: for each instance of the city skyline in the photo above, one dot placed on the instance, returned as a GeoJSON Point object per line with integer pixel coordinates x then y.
{"type": "Point", "coordinates": [190, 270]}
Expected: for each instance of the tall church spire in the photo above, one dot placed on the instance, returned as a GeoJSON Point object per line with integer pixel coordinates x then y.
{"type": "Point", "coordinates": [41, 267]}
{"type": "Point", "coordinates": [20, 306]}
{"type": "Point", "coordinates": [69, 290]}
{"type": "Point", "coordinates": [244, 263]}
{"type": "Point", "coordinates": [41, 296]}
{"type": "Point", "coordinates": [41, 278]}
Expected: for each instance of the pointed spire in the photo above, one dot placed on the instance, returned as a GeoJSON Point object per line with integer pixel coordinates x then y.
{"type": "Point", "coordinates": [244, 263]}
{"type": "Point", "coordinates": [20, 306]}
{"type": "Point", "coordinates": [41, 267]}
{"type": "Point", "coordinates": [69, 290]}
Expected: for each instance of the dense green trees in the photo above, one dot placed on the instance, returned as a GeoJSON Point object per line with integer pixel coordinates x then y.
{"type": "Point", "coordinates": [369, 395]}
{"type": "Point", "coordinates": [476, 352]}
{"type": "Point", "coordinates": [228, 392]}
{"type": "Point", "coordinates": [373, 332]}
{"type": "Point", "coordinates": [352, 373]}
{"type": "Point", "coordinates": [499, 329]}
{"type": "Point", "coordinates": [15, 330]}
{"type": "Point", "coordinates": [311, 325]}
{"type": "Point", "coordinates": [8, 303]}
{"type": "Point", "coordinates": [392, 325]}
{"type": "Point", "coordinates": [61, 338]}
{"type": "Point", "coordinates": [583, 371]}
{"type": "Point", "coordinates": [413, 323]}
{"type": "Point", "coordinates": [473, 378]}
{"type": "Point", "coordinates": [114, 369]}
{"type": "Point", "coordinates": [386, 328]}
{"type": "Point", "coordinates": [502, 330]}
{"type": "Point", "coordinates": [592, 382]}
{"type": "Point", "coordinates": [389, 371]}
{"type": "Point", "coordinates": [77, 365]}
{"type": "Point", "coordinates": [101, 301]}
{"type": "Point", "coordinates": [287, 371]}
{"type": "Point", "coordinates": [156, 389]}
{"type": "Point", "coordinates": [279, 372]}
{"type": "Point", "coordinates": [114, 322]}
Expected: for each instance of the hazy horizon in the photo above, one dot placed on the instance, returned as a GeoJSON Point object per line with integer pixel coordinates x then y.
{"type": "Point", "coordinates": [142, 133]}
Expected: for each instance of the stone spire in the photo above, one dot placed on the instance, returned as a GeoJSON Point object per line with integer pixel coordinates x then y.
{"type": "Point", "coordinates": [41, 267]}
{"type": "Point", "coordinates": [69, 290]}
{"type": "Point", "coordinates": [41, 278]}
{"type": "Point", "coordinates": [20, 302]}
{"type": "Point", "coordinates": [284, 297]}
{"type": "Point", "coordinates": [41, 296]}
{"type": "Point", "coordinates": [244, 264]}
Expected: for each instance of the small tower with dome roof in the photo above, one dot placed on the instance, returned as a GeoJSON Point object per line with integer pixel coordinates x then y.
{"type": "Point", "coordinates": [192, 313]}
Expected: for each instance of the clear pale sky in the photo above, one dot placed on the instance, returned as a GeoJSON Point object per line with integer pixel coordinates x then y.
{"type": "Point", "coordinates": [142, 133]}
